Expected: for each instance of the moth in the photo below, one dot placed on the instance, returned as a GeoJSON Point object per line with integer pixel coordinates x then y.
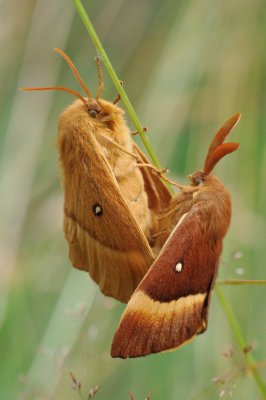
{"type": "Point", "coordinates": [111, 203]}
{"type": "Point", "coordinates": [170, 305]}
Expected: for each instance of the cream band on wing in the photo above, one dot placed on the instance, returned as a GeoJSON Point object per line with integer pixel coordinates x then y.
{"type": "Point", "coordinates": [148, 326]}
{"type": "Point", "coordinates": [150, 307]}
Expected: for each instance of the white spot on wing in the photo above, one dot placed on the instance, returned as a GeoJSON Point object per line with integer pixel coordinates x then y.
{"type": "Point", "coordinates": [178, 267]}
{"type": "Point", "coordinates": [97, 209]}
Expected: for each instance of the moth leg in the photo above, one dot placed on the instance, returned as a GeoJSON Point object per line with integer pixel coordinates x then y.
{"type": "Point", "coordinates": [130, 153]}
{"type": "Point", "coordinates": [155, 235]}
{"type": "Point", "coordinates": [118, 96]}
{"type": "Point", "coordinates": [166, 212]}
{"type": "Point", "coordinates": [136, 132]}
{"type": "Point", "coordinates": [153, 168]}
{"type": "Point", "coordinates": [161, 174]}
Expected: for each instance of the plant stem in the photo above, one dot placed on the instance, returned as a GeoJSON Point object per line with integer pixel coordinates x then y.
{"type": "Point", "coordinates": [116, 82]}
{"type": "Point", "coordinates": [241, 341]}
{"type": "Point", "coordinates": [236, 374]}
{"type": "Point", "coordinates": [241, 282]}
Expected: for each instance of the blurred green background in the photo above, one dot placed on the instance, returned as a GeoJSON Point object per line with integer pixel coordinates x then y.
{"type": "Point", "coordinates": [187, 66]}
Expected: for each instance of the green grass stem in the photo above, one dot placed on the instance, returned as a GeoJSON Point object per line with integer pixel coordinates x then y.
{"type": "Point", "coordinates": [241, 341]}
{"type": "Point", "coordinates": [241, 282]}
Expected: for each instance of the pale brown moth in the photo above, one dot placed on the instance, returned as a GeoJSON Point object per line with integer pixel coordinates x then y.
{"type": "Point", "coordinates": [111, 203]}
{"type": "Point", "coordinates": [118, 214]}
{"type": "Point", "coordinates": [170, 306]}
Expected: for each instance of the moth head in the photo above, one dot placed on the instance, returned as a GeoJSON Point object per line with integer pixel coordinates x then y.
{"type": "Point", "coordinates": [201, 181]}
{"type": "Point", "coordinates": [197, 178]}
{"type": "Point", "coordinates": [99, 111]}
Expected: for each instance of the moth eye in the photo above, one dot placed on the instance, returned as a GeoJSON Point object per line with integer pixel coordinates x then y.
{"type": "Point", "coordinates": [198, 181]}
{"type": "Point", "coordinates": [97, 209]}
{"type": "Point", "coordinates": [93, 113]}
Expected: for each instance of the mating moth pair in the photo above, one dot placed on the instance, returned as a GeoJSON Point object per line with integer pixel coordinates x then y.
{"type": "Point", "coordinates": [140, 244]}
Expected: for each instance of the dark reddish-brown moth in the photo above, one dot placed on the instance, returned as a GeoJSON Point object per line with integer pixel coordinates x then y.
{"type": "Point", "coordinates": [170, 305]}
{"type": "Point", "coordinates": [111, 203]}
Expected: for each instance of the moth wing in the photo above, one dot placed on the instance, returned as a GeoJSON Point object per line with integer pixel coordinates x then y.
{"type": "Point", "coordinates": [103, 235]}
{"type": "Point", "coordinates": [159, 196]}
{"type": "Point", "coordinates": [170, 305]}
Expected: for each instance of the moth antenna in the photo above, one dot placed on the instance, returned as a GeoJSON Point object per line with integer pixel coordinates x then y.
{"type": "Point", "coordinates": [100, 77]}
{"type": "Point", "coordinates": [222, 133]}
{"type": "Point", "coordinates": [217, 154]}
{"type": "Point", "coordinates": [72, 66]}
{"type": "Point", "coordinates": [58, 88]}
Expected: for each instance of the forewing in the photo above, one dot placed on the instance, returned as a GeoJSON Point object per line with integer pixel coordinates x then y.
{"type": "Point", "coordinates": [170, 305]}
{"type": "Point", "coordinates": [103, 235]}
